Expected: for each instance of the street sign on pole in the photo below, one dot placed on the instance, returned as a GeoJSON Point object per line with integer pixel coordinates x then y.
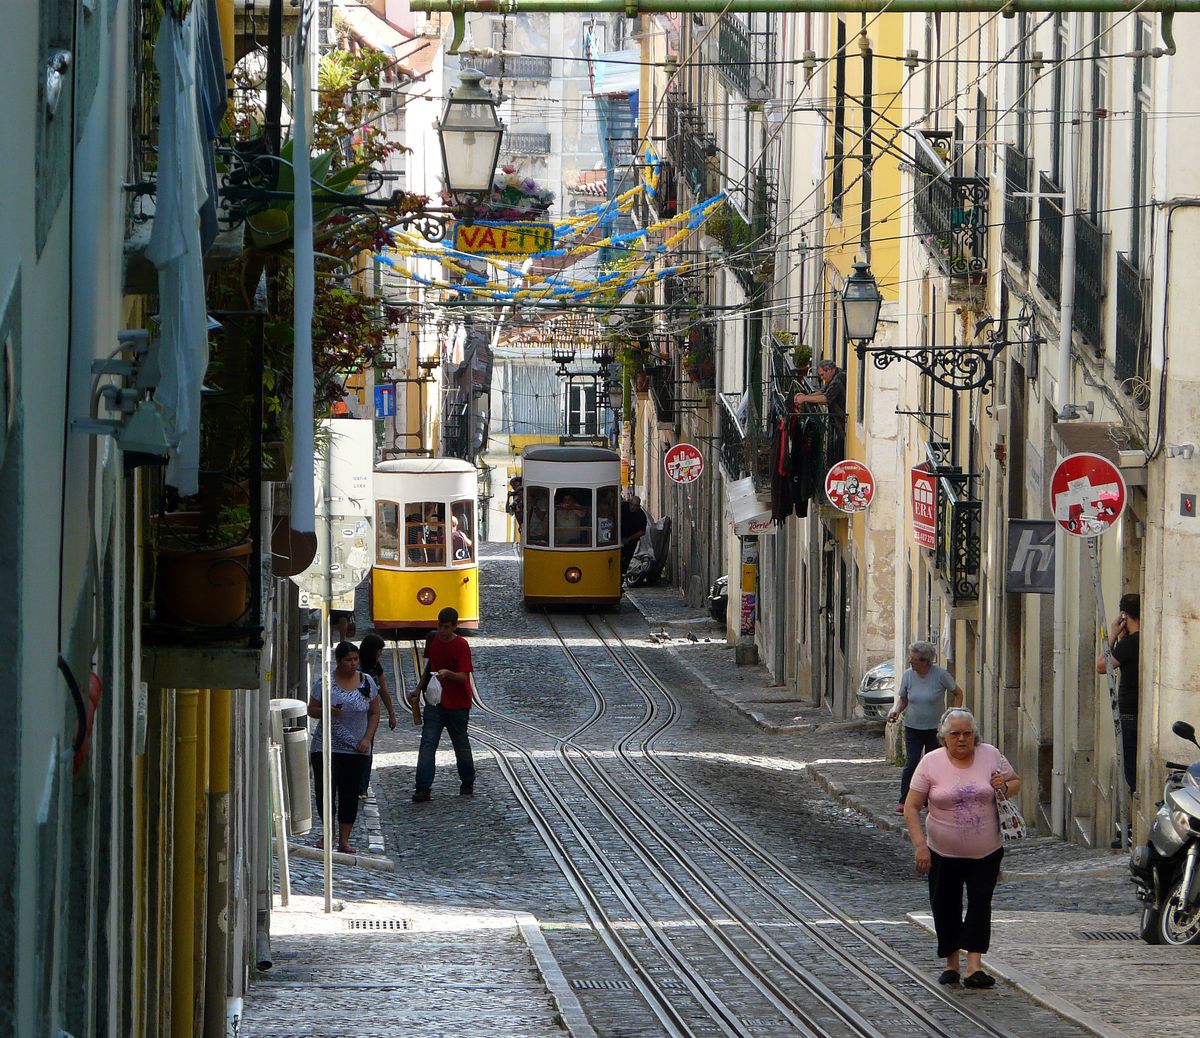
{"type": "Point", "coordinates": [850, 486]}
{"type": "Point", "coordinates": [1087, 494]}
{"type": "Point", "coordinates": [684, 463]}
{"type": "Point", "coordinates": [385, 401]}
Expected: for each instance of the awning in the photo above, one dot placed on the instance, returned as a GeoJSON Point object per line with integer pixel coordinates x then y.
{"type": "Point", "coordinates": [370, 28]}
{"type": "Point", "coordinates": [749, 516]}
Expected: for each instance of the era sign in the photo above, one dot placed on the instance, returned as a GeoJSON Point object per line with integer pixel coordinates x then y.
{"type": "Point", "coordinates": [1087, 494]}
{"type": "Point", "coordinates": [684, 463]}
{"type": "Point", "coordinates": [924, 506]}
{"type": "Point", "coordinates": [850, 486]}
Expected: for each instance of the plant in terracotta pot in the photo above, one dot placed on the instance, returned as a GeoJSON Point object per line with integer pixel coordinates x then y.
{"type": "Point", "coordinates": [802, 359]}
{"type": "Point", "coordinates": [202, 567]}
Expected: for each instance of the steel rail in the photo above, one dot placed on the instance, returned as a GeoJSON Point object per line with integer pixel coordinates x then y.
{"type": "Point", "coordinates": [819, 900]}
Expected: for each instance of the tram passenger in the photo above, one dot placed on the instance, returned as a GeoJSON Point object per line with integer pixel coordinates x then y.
{"type": "Point", "coordinates": [515, 505]}
{"type": "Point", "coordinates": [633, 525]}
{"type": "Point", "coordinates": [460, 543]}
{"type": "Point", "coordinates": [570, 518]}
{"type": "Point", "coordinates": [448, 657]}
{"type": "Point", "coordinates": [538, 531]}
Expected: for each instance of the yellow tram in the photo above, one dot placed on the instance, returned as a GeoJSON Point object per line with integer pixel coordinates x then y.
{"type": "Point", "coordinates": [570, 528]}
{"type": "Point", "coordinates": [426, 554]}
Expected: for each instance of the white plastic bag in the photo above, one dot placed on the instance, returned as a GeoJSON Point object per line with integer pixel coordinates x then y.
{"type": "Point", "coordinates": [433, 691]}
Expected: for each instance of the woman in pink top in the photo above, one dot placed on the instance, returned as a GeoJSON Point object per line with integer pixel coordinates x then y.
{"type": "Point", "coordinates": [958, 783]}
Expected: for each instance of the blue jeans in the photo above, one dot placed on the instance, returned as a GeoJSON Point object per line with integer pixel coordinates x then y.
{"type": "Point", "coordinates": [917, 742]}
{"type": "Point", "coordinates": [455, 722]}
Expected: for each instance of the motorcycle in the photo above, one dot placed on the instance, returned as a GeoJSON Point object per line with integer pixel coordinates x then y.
{"type": "Point", "coordinates": [1167, 869]}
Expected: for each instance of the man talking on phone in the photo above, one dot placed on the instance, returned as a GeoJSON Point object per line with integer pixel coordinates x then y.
{"type": "Point", "coordinates": [1125, 633]}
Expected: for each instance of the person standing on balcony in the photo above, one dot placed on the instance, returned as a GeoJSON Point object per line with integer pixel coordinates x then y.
{"type": "Point", "coordinates": [833, 395]}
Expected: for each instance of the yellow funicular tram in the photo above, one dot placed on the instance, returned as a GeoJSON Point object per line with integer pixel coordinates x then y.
{"type": "Point", "coordinates": [570, 530]}
{"type": "Point", "coordinates": [426, 553]}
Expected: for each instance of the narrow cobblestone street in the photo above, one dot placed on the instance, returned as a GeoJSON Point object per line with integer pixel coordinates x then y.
{"type": "Point", "coordinates": [478, 930]}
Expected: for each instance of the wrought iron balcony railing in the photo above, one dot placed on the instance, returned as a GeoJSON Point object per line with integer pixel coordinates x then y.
{"type": "Point", "coordinates": [1050, 232]}
{"type": "Point", "coordinates": [690, 147]}
{"type": "Point", "coordinates": [1016, 206]}
{"type": "Point", "coordinates": [1089, 281]}
{"type": "Point", "coordinates": [958, 532]}
{"type": "Point", "coordinates": [662, 393]}
{"type": "Point", "coordinates": [1132, 325]}
{"type": "Point", "coordinates": [513, 68]}
{"type": "Point", "coordinates": [526, 143]}
{"type": "Point", "coordinates": [666, 197]}
{"type": "Point", "coordinates": [951, 215]}
{"type": "Point", "coordinates": [731, 438]}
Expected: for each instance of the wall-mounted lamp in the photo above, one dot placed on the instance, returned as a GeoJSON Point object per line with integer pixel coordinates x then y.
{"type": "Point", "coordinates": [1070, 412]}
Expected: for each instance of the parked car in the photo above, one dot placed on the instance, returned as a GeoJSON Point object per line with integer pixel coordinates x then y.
{"type": "Point", "coordinates": [718, 599]}
{"type": "Point", "coordinates": [878, 690]}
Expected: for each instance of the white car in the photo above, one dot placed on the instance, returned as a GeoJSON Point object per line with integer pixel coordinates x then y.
{"type": "Point", "coordinates": [877, 691]}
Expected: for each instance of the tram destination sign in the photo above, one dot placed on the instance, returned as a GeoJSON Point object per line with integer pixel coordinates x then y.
{"type": "Point", "coordinates": [503, 239]}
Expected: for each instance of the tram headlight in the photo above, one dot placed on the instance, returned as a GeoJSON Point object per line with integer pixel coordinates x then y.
{"type": "Point", "coordinates": [573, 575]}
{"type": "Point", "coordinates": [426, 596]}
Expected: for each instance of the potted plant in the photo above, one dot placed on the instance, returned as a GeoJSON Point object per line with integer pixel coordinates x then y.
{"type": "Point", "coordinates": [802, 359]}
{"type": "Point", "coordinates": [202, 571]}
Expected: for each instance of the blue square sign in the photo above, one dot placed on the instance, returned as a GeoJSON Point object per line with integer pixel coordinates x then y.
{"type": "Point", "coordinates": [385, 401]}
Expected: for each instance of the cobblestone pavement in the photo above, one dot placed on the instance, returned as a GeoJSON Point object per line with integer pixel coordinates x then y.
{"type": "Point", "coordinates": [815, 793]}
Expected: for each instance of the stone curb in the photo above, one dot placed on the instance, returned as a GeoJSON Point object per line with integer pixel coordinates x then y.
{"type": "Point", "coordinates": [1023, 983]}
{"type": "Point", "coordinates": [362, 861]}
{"type": "Point", "coordinates": [574, 1020]}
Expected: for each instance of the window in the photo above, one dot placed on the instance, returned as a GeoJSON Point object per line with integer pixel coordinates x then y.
{"type": "Point", "coordinates": [837, 183]}
{"type": "Point", "coordinates": [1140, 187]}
{"type": "Point", "coordinates": [1022, 87]}
{"type": "Point", "coordinates": [387, 532]}
{"type": "Point", "coordinates": [868, 114]}
{"type": "Point", "coordinates": [1059, 87]}
{"type": "Point", "coordinates": [573, 517]}
{"type": "Point", "coordinates": [582, 414]}
{"type": "Point", "coordinates": [537, 511]}
{"type": "Point", "coordinates": [425, 533]}
{"type": "Point", "coordinates": [606, 517]}
{"type": "Point", "coordinates": [1098, 122]}
{"type": "Point", "coordinates": [462, 532]}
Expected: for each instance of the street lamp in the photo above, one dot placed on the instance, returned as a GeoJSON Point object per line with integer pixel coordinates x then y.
{"type": "Point", "coordinates": [469, 133]}
{"type": "Point", "coordinates": [562, 353]}
{"type": "Point", "coordinates": [957, 367]}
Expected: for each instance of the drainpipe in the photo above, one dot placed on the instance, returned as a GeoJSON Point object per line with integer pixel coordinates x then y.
{"type": "Point", "coordinates": [262, 835]}
{"type": "Point", "coordinates": [183, 872]}
{"type": "Point", "coordinates": [1062, 397]}
{"type": "Point", "coordinates": [217, 938]}
{"type": "Point", "coordinates": [200, 879]}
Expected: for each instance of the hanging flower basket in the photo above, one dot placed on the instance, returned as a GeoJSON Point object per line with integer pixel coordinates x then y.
{"type": "Point", "coordinates": [513, 199]}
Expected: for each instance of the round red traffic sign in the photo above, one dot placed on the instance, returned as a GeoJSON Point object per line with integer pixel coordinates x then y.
{"type": "Point", "coordinates": [850, 486]}
{"type": "Point", "coordinates": [1087, 494]}
{"type": "Point", "coordinates": [684, 463]}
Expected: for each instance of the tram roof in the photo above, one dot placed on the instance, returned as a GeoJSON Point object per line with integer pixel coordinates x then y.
{"type": "Point", "coordinates": [569, 454]}
{"type": "Point", "coordinates": [423, 465]}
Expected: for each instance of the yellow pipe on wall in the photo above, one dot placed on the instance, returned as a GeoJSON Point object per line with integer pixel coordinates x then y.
{"type": "Point", "coordinates": [200, 861]}
{"type": "Point", "coordinates": [225, 22]}
{"type": "Point", "coordinates": [220, 746]}
{"type": "Point", "coordinates": [183, 874]}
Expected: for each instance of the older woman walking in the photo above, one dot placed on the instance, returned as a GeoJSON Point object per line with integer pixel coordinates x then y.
{"type": "Point", "coordinates": [963, 847]}
{"type": "Point", "coordinates": [922, 696]}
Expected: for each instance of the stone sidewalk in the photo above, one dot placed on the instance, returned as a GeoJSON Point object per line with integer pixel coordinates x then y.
{"type": "Point", "coordinates": [1066, 916]}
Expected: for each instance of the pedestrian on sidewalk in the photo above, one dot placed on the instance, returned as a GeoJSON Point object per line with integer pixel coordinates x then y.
{"type": "Point", "coordinates": [370, 663]}
{"type": "Point", "coordinates": [963, 847]}
{"type": "Point", "coordinates": [354, 716]}
{"type": "Point", "coordinates": [922, 696]}
{"type": "Point", "coordinates": [448, 657]}
{"type": "Point", "coordinates": [1125, 632]}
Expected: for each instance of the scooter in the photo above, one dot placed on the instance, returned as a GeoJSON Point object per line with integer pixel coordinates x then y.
{"type": "Point", "coordinates": [1167, 869]}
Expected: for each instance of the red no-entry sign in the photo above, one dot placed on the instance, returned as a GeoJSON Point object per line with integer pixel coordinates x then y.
{"type": "Point", "coordinates": [684, 463]}
{"type": "Point", "coordinates": [1087, 494]}
{"type": "Point", "coordinates": [850, 486]}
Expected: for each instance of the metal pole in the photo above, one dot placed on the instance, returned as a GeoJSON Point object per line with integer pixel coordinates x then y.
{"type": "Point", "coordinates": [632, 8]}
{"type": "Point", "coordinates": [327, 693]}
{"type": "Point", "coordinates": [1122, 791]}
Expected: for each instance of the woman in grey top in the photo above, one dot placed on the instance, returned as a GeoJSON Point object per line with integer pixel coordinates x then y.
{"type": "Point", "coordinates": [354, 716]}
{"type": "Point", "coordinates": [922, 696]}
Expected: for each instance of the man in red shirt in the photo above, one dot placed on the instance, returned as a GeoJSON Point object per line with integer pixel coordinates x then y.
{"type": "Point", "coordinates": [449, 657]}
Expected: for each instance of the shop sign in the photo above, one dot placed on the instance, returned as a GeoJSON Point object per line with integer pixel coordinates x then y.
{"type": "Point", "coordinates": [504, 239]}
{"type": "Point", "coordinates": [1030, 568]}
{"type": "Point", "coordinates": [850, 486]}
{"type": "Point", "coordinates": [924, 506]}
{"type": "Point", "coordinates": [1087, 494]}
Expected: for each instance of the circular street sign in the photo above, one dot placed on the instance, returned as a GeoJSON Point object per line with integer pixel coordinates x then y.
{"type": "Point", "coordinates": [1087, 494]}
{"type": "Point", "coordinates": [850, 486]}
{"type": "Point", "coordinates": [684, 463]}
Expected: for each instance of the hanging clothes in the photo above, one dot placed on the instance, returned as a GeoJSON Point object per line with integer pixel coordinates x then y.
{"type": "Point", "coordinates": [782, 501]}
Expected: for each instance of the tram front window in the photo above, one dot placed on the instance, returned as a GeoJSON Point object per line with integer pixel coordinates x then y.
{"type": "Point", "coordinates": [462, 531]}
{"type": "Point", "coordinates": [606, 517]}
{"type": "Point", "coordinates": [537, 516]}
{"type": "Point", "coordinates": [425, 533]}
{"type": "Point", "coordinates": [573, 517]}
{"type": "Point", "coordinates": [387, 531]}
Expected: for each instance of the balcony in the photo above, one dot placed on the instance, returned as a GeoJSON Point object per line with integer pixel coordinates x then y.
{"type": "Point", "coordinates": [514, 68]}
{"type": "Point", "coordinates": [731, 438]}
{"type": "Point", "coordinates": [662, 393]}
{"type": "Point", "coordinates": [1050, 235]}
{"type": "Point", "coordinates": [1089, 282]}
{"type": "Point", "coordinates": [526, 144]}
{"type": "Point", "coordinates": [1016, 206]}
{"type": "Point", "coordinates": [690, 147]}
{"type": "Point", "coordinates": [1132, 322]}
{"type": "Point", "coordinates": [666, 197]}
{"type": "Point", "coordinates": [951, 215]}
{"type": "Point", "coordinates": [956, 555]}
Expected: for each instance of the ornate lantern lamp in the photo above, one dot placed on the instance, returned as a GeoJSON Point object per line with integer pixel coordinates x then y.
{"type": "Point", "coordinates": [470, 133]}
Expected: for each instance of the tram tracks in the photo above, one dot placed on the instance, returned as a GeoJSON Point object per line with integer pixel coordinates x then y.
{"type": "Point", "coordinates": [774, 973]}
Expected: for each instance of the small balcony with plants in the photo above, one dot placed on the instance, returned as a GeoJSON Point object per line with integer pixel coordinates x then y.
{"type": "Point", "coordinates": [957, 553]}
{"type": "Point", "coordinates": [950, 214]}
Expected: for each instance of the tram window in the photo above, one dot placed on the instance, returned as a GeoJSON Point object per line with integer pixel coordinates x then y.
{"type": "Point", "coordinates": [425, 533]}
{"type": "Point", "coordinates": [537, 511]}
{"type": "Point", "coordinates": [573, 516]}
{"type": "Point", "coordinates": [606, 516]}
{"type": "Point", "coordinates": [462, 531]}
{"type": "Point", "coordinates": [387, 531]}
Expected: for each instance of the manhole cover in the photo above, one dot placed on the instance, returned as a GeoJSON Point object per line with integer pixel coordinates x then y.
{"type": "Point", "coordinates": [378, 924]}
{"type": "Point", "coordinates": [1108, 935]}
{"type": "Point", "coordinates": [601, 985]}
